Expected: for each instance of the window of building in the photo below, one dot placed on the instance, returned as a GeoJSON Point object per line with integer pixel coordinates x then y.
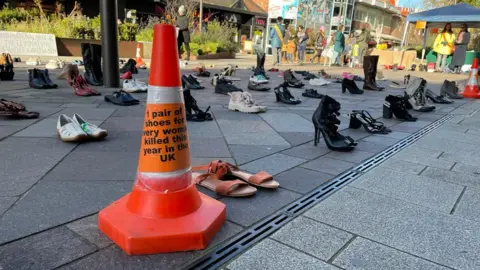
{"type": "Point", "coordinates": [387, 20]}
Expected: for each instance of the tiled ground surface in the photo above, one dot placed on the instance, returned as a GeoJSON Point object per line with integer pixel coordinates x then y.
{"type": "Point", "coordinates": [51, 191]}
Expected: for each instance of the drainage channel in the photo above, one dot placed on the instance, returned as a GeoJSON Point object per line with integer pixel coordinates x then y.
{"type": "Point", "coordinates": [254, 234]}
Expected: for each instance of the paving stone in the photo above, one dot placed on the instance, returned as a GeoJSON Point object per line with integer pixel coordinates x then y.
{"type": "Point", "coordinates": [372, 147]}
{"type": "Point", "coordinates": [465, 168]}
{"type": "Point", "coordinates": [62, 199]}
{"type": "Point", "coordinates": [403, 226]}
{"type": "Point", "coordinates": [313, 238]}
{"type": "Point", "coordinates": [44, 112]}
{"type": "Point", "coordinates": [230, 115]}
{"type": "Point", "coordinates": [89, 114]}
{"type": "Point", "coordinates": [79, 105]}
{"type": "Point", "coordinates": [462, 157]}
{"type": "Point", "coordinates": [428, 192]}
{"type": "Point", "coordinates": [273, 164]}
{"type": "Point", "coordinates": [6, 131]}
{"type": "Point", "coordinates": [125, 141]}
{"type": "Point", "coordinates": [297, 138]}
{"type": "Point", "coordinates": [402, 128]}
{"type": "Point", "coordinates": [5, 203]}
{"type": "Point", "coordinates": [95, 166]}
{"type": "Point", "coordinates": [468, 205]}
{"type": "Point", "coordinates": [209, 147]}
{"type": "Point", "coordinates": [422, 160]}
{"type": "Point", "coordinates": [356, 134]}
{"type": "Point", "coordinates": [452, 177]}
{"type": "Point", "coordinates": [247, 153]}
{"type": "Point", "coordinates": [302, 180]}
{"type": "Point", "coordinates": [28, 160]}
{"type": "Point", "coordinates": [380, 139]}
{"type": "Point", "coordinates": [308, 151]}
{"type": "Point", "coordinates": [88, 228]}
{"type": "Point", "coordinates": [365, 254]}
{"type": "Point", "coordinates": [125, 123]}
{"type": "Point", "coordinates": [403, 166]}
{"type": "Point", "coordinates": [111, 258]}
{"type": "Point", "coordinates": [287, 122]}
{"type": "Point", "coordinates": [328, 165]}
{"type": "Point", "coordinates": [245, 126]}
{"type": "Point", "coordinates": [203, 130]}
{"type": "Point", "coordinates": [269, 254]}
{"type": "Point", "coordinates": [247, 211]}
{"type": "Point", "coordinates": [133, 111]}
{"type": "Point", "coordinates": [356, 156]}
{"type": "Point", "coordinates": [41, 251]}
{"type": "Point", "coordinates": [263, 138]}
{"type": "Point", "coordinates": [44, 128]}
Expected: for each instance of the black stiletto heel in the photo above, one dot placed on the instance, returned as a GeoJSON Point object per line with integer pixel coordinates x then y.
{"type": "Point", "coordinates": [371, 125]}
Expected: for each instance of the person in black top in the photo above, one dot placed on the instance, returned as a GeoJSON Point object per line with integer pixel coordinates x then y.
{"type": "Point", "coordinates": [183, 32]}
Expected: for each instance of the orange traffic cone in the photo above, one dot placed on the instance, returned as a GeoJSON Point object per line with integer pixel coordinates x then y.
{"type": "Point", "coordinates": [138, 58]}
{"type": "Point", "coordinates": [164, 212]}
{"type": "Point", "coordinates": [471, 89]}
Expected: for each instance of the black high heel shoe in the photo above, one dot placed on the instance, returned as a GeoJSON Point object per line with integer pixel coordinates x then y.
{"type": "Point", "coordinates": [371, 125]}
{"type": "Point", "coordinates": [192, 110]}
{"type": "Point", "coordinates": [351, 86]}
{"type": "Point", "coordinates": [325, 122]}
{"type": "Point", "coordinates": [283, 95]}
{"type": "Point", "coordinates": [395, 105]}
{"type": "Point", "coordinates": [436, 99]}
{"type": "Point", "coordinates": [291, 81]}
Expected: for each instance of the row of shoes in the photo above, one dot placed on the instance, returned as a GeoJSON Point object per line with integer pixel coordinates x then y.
{"type": "Point", "coordinates": [77, 129]}
{"type": "Point", "coordinates": [40, 79]}
{"type": "Point", "coordinates": [6, 67]}
{"type": "Point", "coordinates": [217, 177]}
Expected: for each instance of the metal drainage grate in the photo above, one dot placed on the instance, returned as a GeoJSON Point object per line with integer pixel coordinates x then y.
{"type": "Point", "coordinates": [238, 244]}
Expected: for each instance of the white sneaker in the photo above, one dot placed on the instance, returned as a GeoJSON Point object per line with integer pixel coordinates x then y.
{"type": "Point", "coordinates": [52, 64]}
{"type": "Point", "coordinates": [141, 85]}
{"type": "Point", "coordinates": [33, 61]}
{"type": "Point", "coordinates": [60, 63]}
{"type": "Point", "coordinates": [215, 79]}
{"type": "Point", "coordinates": [243, 102]}
{"type": "Point", "coordinates": [92, 130]}
{"type": "Point", "coordinates": [70, 131]}
{"type": "Point", "coordinates": [319, 82]}
{"type": "Point", "coordinates": [259, 79]}
{"type": "Point", "coordinates": [130, 86]}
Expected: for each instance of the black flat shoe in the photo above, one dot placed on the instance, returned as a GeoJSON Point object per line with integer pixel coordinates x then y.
{"type": "Point", "coordinates": [312, 93]}
{"type": "Point", "coordinates": [283, 95]}
{"type": "Point", "coordinates": [371, 125]}
{"type": "Point", "coordinates": [436, 99]}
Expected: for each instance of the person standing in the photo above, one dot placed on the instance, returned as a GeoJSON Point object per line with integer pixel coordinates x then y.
{"type": "Point", "coordinates": [443, 46]}
{"type": "Point", "coordinates": [320, 43]}
{"type": "Point", "coordinates": [286, 38]}
{"type": "Point", "coordinates": [347, 53]}
{"type": "Point", "coordinates": [302, 38]}
{"type": "Point", "coordinates": [277, 32]}
{"type": "Point", "coordinates": [183, 32]}
{"type": "Point", "coordinates": [460, 52]}
{"type": "Point", "coordinates": [339, 45]}
{"type": "Point", "coordinates": [362, 42]}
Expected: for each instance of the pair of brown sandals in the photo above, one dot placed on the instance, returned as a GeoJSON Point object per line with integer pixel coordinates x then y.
{"type": "Point", "coordinates": [228, 180]}
{"type": "Point", "coordinates": [15, 110]}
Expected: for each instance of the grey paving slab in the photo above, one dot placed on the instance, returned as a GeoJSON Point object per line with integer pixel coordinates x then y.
{"type": "Point", "coordinates": [273, 164]}
{"type": "Point", "coordinates": [209, 147]}
{"type": "Point", "coordinates": [6, 131]}
{"type": "Point", "coordinates": [465, 168]}
{"type": "Point", "coordinates": [313, 238]}
{"type": "Point", "coordinates": [468, 205]}
{"type": "Point", "coordinates": [452, 177]}
{"type": "Point", "coordinates": [80, 105]}
{"type": "Point", "coordinates": [29, 159]}
{"type": "Point", "coordinates": [244, 126]}
{"type": "Point", "coordinates": [356, 156]}
{"type": "Point", "coordinates": [287, 122]}
{"type": "Point", "coordinates": [95, 166]}
{"type": "Point", "coordinates": [328, 165]}
{"type": "Point", "coordinates": [263, 138]}
{"type": "Point", "coordinates": [308, 150]}
{"type": "Point", "coordinates": [365, 254]}
{"type": "Point", "coordinates": [462, 156]}
{"type": "Point", "coordinates": [403, 226]}
{"type": "Point", "coordinates": [415, 150]}
{"type": "Point", "coordinates": [125, 141]}
{"type": "Point", "coordinates": [134, 111]}
{"type": "Point", "coordinates": [45, 128]}
{"type": "Point", "coordinates": [403, 166]}
{"type": "Point", "coordinates": [88, 228]}
{"type": "Point", "coordinates": [62, 199]}
{"type": "Point", "coordinates": [124, 123]}
{"type": "Point", "coordinates": [380, 139]}
{"type": "Point", "coordinates": [247, 153]}
{"type": "Point", "coordinates": [46, 250]}
{"type": "Point", "coordinates": [237, 116]}
{"type": "Point", "coordinates": [247, 211]}
{"type": "Point", "coordinates": [424, 191]}
{"type": "Point", "coordinates": [6, 202]}
{"type": "Point", "coordinates": [422, 160]}
{"type": "Point", "coordinates": [203, 130]}
{"type": "Point", "coordinates": [89, 114]}
{"type": "Point", "coordinates": [269, 254]}
{"type": "Point", "coordinates": [111, 258]}
{"type": "Point", "coordinates": [297, 138]}
{"type": "Point", "coordinates": [302, 180]}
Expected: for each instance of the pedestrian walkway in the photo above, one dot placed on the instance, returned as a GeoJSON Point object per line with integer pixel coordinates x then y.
{"type": "Point", "coordinates": [418, 210]}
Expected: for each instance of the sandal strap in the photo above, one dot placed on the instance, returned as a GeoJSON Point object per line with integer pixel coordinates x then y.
{"type": "Point", "coordinates": [260, 178]}
{"type": "Point", "coordinates": [226, 187]}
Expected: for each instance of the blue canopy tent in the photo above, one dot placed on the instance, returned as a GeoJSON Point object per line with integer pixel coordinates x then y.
{"type": "Point", "coordinates": [436, 18]}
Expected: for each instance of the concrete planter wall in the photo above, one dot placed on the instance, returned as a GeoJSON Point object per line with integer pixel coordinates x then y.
{"type": "Point", "coordinates": [72, 47]}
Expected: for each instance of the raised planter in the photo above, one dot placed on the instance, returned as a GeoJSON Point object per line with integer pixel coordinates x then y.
{"type": "Point", "coordinates": [72, 47]}
{"type": "Point", "coordinates": [221, 55]}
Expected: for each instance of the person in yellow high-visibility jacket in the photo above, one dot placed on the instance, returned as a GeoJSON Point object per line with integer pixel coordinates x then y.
{"type": "Point", "coordinates": [444, 46]}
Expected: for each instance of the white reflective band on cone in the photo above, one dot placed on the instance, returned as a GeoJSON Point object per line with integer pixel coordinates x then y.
{"type": "Point", "coordinates": [164, 95]}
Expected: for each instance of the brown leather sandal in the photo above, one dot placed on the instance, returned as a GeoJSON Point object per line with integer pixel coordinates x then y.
{"type": "Point", "coordinates": [15, 110]}
{"type": "Point", "coordinates": [235, 188]}
{"type": "Point", "coordinates": [225, 170]}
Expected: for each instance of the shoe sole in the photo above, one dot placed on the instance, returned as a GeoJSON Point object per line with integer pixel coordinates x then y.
{"type": "Point", "coordinates": [79, 138]}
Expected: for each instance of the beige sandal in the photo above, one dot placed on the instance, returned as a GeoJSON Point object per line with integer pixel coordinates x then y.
{"type": "Point", "coordinates": [235, 188]}
{"type": "Point", "coordinates": [224, 169]}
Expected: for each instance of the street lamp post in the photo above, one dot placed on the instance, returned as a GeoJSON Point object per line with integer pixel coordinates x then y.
{"type": "Point", "coordinates": [108, 18]}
